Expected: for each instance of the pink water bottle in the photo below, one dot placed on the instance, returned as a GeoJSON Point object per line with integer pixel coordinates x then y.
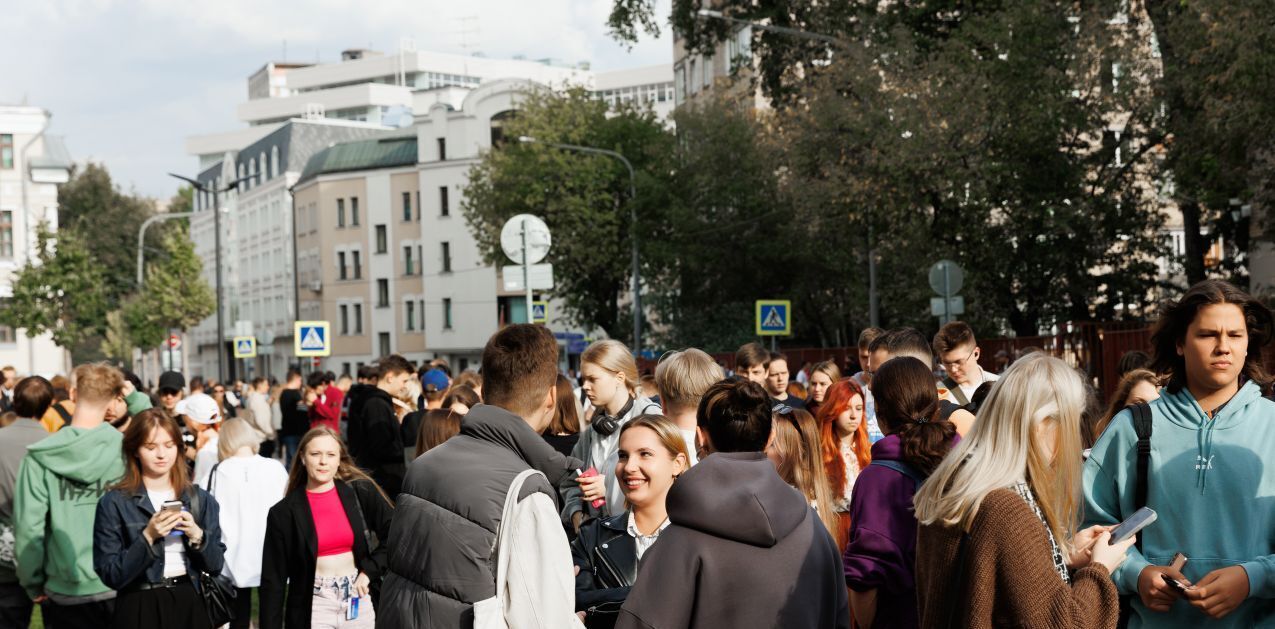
{"type": "Point", "coordinates": [589, 473]}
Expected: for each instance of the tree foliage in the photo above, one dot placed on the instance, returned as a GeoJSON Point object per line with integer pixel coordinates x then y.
{"type": "Point", "coordinates": [61, 291]}
{"type": "Point", "coordinates": [175, 295]}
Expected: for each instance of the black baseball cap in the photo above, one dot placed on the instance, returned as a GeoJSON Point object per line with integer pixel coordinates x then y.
{"type": "Point", "coordinates": [171, 381]}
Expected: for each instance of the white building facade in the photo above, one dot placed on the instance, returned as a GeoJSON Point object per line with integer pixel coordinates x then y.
{"type": "Point", "coordinates": [32, 165]}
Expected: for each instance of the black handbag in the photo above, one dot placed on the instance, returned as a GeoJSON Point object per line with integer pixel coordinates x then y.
{"type": "Point", "coordinates": [217, 591]}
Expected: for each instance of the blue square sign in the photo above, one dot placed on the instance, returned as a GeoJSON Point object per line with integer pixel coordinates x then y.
{"type": "Point", "coordinates": [774, 317]}
{"type": "Point", "coordinates": [312, 338]}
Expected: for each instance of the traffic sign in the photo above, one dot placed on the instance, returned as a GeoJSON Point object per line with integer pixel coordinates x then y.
{"type": "Point", "coordinates": [245, 347]}
{"type": "Point", "coordinates": [175, 341]}
{"type": "Point", "coordinates": [540, 312]}
{"type": "Point", "coordinates": [947, 306]}
{"type": "Point", "coordinates": [525, 231]}
{"type": "Point", "coordinates": [774, 317]}
{"type": "Point", "coordinates": [947, 278]}
{"type": "Point", "coordinates": [312, 338]}
{"type": "Point", "coordinates": [540, 276]}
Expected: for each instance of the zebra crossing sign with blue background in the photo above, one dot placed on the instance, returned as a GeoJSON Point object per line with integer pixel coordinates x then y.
{"type": "Point", "coordinates": [312, 338]}
{"type": "Point", "coordinates": [245, 347]}
{"type": "Point", "coordinates": [774, 317]}
{"type": "Point", "coordinates": [540, 312]}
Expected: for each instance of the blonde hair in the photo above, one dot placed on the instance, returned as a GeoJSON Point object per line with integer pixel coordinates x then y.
{"type": "Point", "coordinates": [668, 434]}
{"type": "Point", "coordinates": [97, 382]}
{"type": "Point", "coordinates": [1002, 449]}
{"type": "Point", "coordinates": [613, 356]}
{"type": "Point", "coordinates": [828, 368]}
{"type": "Point", "coordinates": [235, 433]}
{"type": "Point", "coordinates": [683, 377]}
{"type": "Point", "coordinates": [797, 439]}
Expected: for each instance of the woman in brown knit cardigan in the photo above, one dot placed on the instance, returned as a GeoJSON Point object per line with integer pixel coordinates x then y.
{"type": "Point", "coordinates": [998, 545]}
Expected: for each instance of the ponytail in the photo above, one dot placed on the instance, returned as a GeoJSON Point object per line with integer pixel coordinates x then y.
{"type": "Point", "coordinates": [908, 406]}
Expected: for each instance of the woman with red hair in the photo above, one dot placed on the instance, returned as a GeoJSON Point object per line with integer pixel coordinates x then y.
{"type": "Point", "coordinates": [843, 437]}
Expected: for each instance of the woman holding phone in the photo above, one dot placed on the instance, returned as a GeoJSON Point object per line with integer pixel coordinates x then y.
{"type": "Point", "coordinates": [319, 567]}
{"type": "Point", "coordinates": [155, 531]}
{"type": "Point", "coordinates": [998, 542]}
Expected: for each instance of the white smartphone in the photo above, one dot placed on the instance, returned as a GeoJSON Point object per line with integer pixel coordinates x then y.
{"type": "Point", "coordinates": [1139, 520]}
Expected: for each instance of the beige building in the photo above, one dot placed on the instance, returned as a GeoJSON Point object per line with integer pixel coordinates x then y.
{"type": "Point", "coordinates": [359, 250]}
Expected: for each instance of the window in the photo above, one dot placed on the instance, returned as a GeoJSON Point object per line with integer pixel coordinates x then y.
{"type": "Point", "coordinates": [679, 84]}
{"type": "Point", "coordinates": [274, 161]}
{"type": "Point", "coordinates": [409, 265]}
{"type": "Point", "coordinates": [358, 265]}
{"type": "Point", "coordinates": [340, 262]}
{"type": "Point", "coordinates": [411, 316]}
{"type": "Point", "coordinates": [447, 257]}
{"type": "Point", "coordinates": [443, 209]}
{"type": "Point", "coordinates": [340, 212]}
{"type": "Point", "coordinates": [420, 255]}
{"type": "Point", "coordinates": [442, 149]}
{"type": "Point", "coordinates": [418, 205]}
{"type": "Point", "coordinates": [382, 293]}
{"type": "Point", "coordinates": [447, 313]}
{"type": "Point", "coordinates": [407, 206]}
{"type": "Point", "coordinates": [345, 369]}
{"type": "Point", "coordinates": [7, 337]}
{"type": "Point", "coordinates": [384, 338]}
{"type": "Point", "coordinates": [358, 319]}
{"type": "Point", "coordinates": [498, 123]}
{"type": "Point", "coordinates": [6, 151]}
{"type": "Point", "coordinates": [382, 239]}
{"type": "Point", "coordinates": [6, 234]}
{"type": "Point", "coordinates": [354, 210]}
{"type": "Point", "coordinates": [345, 319]}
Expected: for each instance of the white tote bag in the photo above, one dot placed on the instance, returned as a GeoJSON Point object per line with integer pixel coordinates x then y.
{"type": "Point", "coordinates": [490, 613]}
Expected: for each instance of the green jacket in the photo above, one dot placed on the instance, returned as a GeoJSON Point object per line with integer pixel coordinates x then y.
{"type": "Point", "coordinates": [59, 484]}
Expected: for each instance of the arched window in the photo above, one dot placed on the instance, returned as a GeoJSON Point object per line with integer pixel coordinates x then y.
{"type": "Point", "coordinates": [252, 173]}
{"type": "Point", "coordinates": [498, 123]}
{"type": "Point", "coordinates": [274, 161]}
{"type": "Point", "coordinates": [265, 174]}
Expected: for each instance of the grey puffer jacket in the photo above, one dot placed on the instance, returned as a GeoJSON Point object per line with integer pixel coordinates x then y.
{"type": "Point", "coordinates": [440, 542]}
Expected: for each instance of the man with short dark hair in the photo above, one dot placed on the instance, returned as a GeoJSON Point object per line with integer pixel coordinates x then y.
{"type": "Point", "coordinates": [777, 378]}
{"type": "Point", "coordinates": [296, 420]}
{"type": "Point", "coordinates": [743, 548]}
{"type": "Point", "coordinates": [355, 398]}
{"type": "Point", "coordinates": [864, 380]}
{"type": "Point", "coordinates": [959, 353]}
{"type": "Point", "coordinates": [751, 362]}
{"type": "Point", "coordinates": [31, 398]}
{"type": "Point", "coordinates": [381, 451]}
{"type": "Point", "coordinates": [451, 504]}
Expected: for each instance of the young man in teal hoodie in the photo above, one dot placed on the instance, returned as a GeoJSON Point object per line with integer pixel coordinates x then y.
{"type": "Point", "coordinates": [55, 503]}
{"type": "Point", "coordinates": [1211, 432]}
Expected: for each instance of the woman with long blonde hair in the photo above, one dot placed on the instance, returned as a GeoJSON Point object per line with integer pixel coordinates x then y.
{"type": "Point", "coordinates": [1000, 514]}
{"type": "Point", "coordinates": [796, 453]}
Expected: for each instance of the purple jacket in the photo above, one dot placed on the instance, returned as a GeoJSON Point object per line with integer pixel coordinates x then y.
{"type": "Point", "coordinates": [881, 553]}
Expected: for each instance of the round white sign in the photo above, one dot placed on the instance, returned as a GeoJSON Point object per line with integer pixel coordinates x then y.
{"type": "Point", "coordinates": [537, 238]}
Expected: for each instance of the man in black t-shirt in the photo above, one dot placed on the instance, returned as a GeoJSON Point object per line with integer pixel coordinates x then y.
{"type": "Point", "coordinates": [296, 420]}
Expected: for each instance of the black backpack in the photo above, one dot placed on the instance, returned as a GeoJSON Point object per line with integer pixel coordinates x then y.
{"type": "Point", "coordinates": [1142, 428]}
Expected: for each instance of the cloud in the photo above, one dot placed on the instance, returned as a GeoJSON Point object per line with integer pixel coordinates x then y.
{"type": "Point", "coordinates": [128, 80]}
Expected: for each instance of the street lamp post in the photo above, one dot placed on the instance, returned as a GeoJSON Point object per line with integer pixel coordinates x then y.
{"type": "Point", "coordinates": [221, 330]}
{"type": "Point", "coordinates": [633, 236]}
{"type": "Point", "coordinates": [873, 300]}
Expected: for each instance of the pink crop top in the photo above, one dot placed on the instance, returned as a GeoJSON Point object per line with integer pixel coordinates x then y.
{"type": "Point", "coordinates": [331, 525]}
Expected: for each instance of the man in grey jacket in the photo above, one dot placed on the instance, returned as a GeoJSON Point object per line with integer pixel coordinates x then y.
{"type": "Point", "coordinates": [744, 549]}
{"type": "Point", "coordinates": [450, 507]}
{"type": "Point", "coordinates": [31, 398]}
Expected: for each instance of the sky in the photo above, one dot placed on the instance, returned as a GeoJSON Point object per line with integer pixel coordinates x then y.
{"type": "Point", "coordinates": [128, 80]}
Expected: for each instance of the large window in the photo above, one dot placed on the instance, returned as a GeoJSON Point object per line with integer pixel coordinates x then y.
{"type": "Point", "coordinates": [345, 319]}
{"type": "Point", "coordinates": [447, 257]}
{"type": "Point", "coordinates": [358, 319]}
{"type": "Point", "coordinates": [6, 151]}
{"type": "Point", "coordinates": [382, 293]}
{"type": "Point", "coordinates": [447, 313]}
{"type": "Point", "coordinates": [6, 234]}
{"type": "Point", "coordinates": [358, 265]}
{"type": "Point", "coordinates": [409, 263]}
{"type": "Point", "coordinates": [340, 262]}
{"type": "Point", "coordinates": [384, 338]}
{"type": "Point", "coordinates": [382, 240]}
{"type": "Point", "coordinates": [444, 209]}
{"type": "Point", "coordinates": [407, 206]}
{"type": "Point", "coordinates": [410, 316]}
{"type": "Point", "coordinates": [340, 212]}
{"type": "Point", "coordinates": [442, 149]}
{"type": "Point", "coordinates": [354, 210]}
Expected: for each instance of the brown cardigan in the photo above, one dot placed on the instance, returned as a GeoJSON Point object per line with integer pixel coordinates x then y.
{"type": "Point", "coordinates": [1010, 579]}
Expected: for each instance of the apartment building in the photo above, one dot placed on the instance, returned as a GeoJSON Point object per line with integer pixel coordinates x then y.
{"type": "Point", "coordinates": [32, 164]}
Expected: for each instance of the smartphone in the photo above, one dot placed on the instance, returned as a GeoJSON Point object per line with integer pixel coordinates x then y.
{"type": "Point", "coordinates": [172, 506]}
{"type": "Point", "coordinates": [1179, 562]}
{"type": "Point", "coordinates": [596, 504]}
{"type": "Point", "coordinates": [352, 609]}
{"type": "Point", "coordinates": [1139, 520]}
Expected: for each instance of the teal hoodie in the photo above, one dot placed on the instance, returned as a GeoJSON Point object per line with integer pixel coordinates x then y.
{"type": "Point", "coordinates": [55, 503]}
{"type": "Point", "coordinates": [1207, 485]}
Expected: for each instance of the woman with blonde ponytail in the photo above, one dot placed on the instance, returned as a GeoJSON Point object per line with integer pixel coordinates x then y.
{"type": "Point", "coordinates": [998, 540]}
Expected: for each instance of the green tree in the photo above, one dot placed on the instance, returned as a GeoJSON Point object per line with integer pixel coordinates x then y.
{"type": "Point", "coordinates": [62, 291]}
{"type": "Point", "coordinates": [583, 198]}
{"type": "Point", "coordinates": [175, 295]}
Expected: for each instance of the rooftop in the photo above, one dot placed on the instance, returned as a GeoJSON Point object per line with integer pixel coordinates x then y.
{"type": "Point", "coordinates": [385, 152]}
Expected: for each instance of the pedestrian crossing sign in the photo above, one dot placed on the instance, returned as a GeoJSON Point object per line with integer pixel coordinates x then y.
{"type": "Point", "coordinates": [540, 312]}
{"type": "Point", "coordinates": [774, 317]}
{"type": "Point", "coordinates": [312, 338]}
{"type": "Point", "coordinates": [245, 347]}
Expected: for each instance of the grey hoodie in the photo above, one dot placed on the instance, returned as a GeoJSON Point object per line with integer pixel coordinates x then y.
{"type": "Point", "coordinates": [744, 550]}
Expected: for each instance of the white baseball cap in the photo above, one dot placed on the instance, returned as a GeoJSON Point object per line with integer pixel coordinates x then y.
{"type": "Point", "coordinates": [200, 407]}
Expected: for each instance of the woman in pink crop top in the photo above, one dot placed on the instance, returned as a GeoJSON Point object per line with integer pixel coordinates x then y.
{"type": "Point", "coordinates": [320, 565]}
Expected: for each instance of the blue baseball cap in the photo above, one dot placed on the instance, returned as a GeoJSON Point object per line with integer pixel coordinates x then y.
{"type": "Point", "coordinates": [434, 380]}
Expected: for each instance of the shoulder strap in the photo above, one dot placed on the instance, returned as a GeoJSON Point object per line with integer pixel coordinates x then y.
{"type": "Point", "coordinates": [900, 467]}
{"type": "Point", "coordinates": [955, 390]}
{"type": "Point", "coordinates": [1142, 427]}
{"type": "Point", "coordinates": [212, 476]}
{"type": "Point", "coordinates": [194, 502]}
{"type": "Point", "coordinates": [367, 537]}
{"type": "Point", "coordinates": [503, 532]}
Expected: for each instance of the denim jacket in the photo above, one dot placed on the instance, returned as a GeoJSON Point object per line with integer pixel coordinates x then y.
{"type": "Point", "coordinates": [121, 556]}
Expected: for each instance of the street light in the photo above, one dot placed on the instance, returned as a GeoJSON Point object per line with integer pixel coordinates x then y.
{"type": "Point", "coordinates": [637, 273]}
{"type": "Point", "coordinates": [221, 331]}
{"type": "Point", "coordinates": [874, 317]}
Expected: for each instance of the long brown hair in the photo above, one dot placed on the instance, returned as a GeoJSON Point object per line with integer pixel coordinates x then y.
{"type": "Point", "coordinates": [346, 471]}
{"type": "Point", "coordinates": [1091, 431]}
{"type": "Point", "coordinates": [908, 406]}
{"type": "Point", "coordinates": [797, 437]}
{"type": "Point", "coordinates": [437, 425]}
{"type": "Point", "coordinates": [136, 435]}
{"type": "Point", "coordinates": [566, 416]}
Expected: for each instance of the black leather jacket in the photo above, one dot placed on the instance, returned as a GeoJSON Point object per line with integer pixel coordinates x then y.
{"type": "Point", "coordinates": [607, 557]}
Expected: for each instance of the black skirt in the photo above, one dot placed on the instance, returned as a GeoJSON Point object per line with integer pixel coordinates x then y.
{"type": "Point", "coordinates": [178, 606]}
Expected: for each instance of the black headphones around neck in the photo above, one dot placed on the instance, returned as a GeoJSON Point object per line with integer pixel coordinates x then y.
{"type": "Point", "coordinates": [606, 425]}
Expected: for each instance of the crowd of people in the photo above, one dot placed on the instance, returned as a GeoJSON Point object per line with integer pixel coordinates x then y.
{"type": "Point", "coordinates": [923, 490]}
